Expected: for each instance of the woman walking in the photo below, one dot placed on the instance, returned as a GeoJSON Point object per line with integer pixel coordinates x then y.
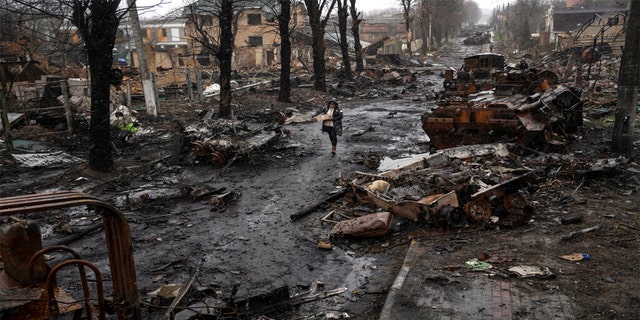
{"type": "Point", "coordinates": [331, 117]}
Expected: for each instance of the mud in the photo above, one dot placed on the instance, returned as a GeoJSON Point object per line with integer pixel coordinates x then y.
{"type": "Point", "coordinates": [247, 245]}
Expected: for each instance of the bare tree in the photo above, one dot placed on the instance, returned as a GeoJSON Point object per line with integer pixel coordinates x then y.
{"type": "Point", "coordinates": [343, 14]}
{"type": "Point", "coordinates": [284, 18]}
{"type": "Point", "coordinates": [440, 19]}
{"type": "Point", "coordinates": [356, 19]}
{"type": "Point", "coordinates": [97, 23]}
{"type": "Point", "coordinates": [218, 39]}
{"type": "Point", "coordinates": [315, 9]}
{"type": "Point", "coordinates": [628, 82]}
{"type": "Point", "coordinates": [520, 19]}
{"type": "Point", "coordinates": [407, 13]}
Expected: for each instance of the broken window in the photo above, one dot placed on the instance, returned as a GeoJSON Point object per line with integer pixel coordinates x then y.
{"type": "Point", "coordinates": [255, 41]}
{"type": "Point", "coordinates": [163, 32]}
{"type": "Point", "coordinates": [254, 19]}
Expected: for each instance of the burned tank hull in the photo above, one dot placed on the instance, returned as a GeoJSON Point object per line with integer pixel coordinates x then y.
{"type": "Point", "coordinates": [536, 120]}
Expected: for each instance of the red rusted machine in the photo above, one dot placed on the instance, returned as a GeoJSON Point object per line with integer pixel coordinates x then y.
{"type": "Point", "coordinates": [41, 298]}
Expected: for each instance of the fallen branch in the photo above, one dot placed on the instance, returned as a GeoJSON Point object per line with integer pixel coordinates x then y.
{"type": "Point", "coordinates": [182, 293]}
{"type": "Point", "coordinates": [78, 235]}
{"type": "Point", "coordinates": [585, 230]}
{"type": "Point", "coordinates": [340, 193]}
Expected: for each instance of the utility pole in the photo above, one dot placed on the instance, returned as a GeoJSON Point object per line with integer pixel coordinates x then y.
{"type": "Point", "coordinates": [145, 76]}
{"type": "Point", "coordinates": [628, 82]}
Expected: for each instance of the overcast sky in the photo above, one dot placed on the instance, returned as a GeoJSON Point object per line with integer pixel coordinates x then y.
{"type": "Point", "coordinates": [148, 6]}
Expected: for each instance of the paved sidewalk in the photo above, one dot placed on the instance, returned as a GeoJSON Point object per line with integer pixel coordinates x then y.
{"type": "Point", "coordinates": [428, 287]}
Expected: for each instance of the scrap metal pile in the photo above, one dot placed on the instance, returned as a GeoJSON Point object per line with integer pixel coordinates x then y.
{"type": "Point", "coordinates": [518, 104]}
{"type": "Point", "coordinates": [471, 185]}
{"type": "Point", "coordinates": [534, 121]}
{"type": "Point", "coordinates": [220, 141]}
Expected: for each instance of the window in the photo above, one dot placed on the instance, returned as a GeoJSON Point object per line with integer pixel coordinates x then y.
{"type": "Point", "coordinates": [254, 19]}
{"type": "Point", "coordinates": [163, 32]}
{"type": "Point", "coordinates": [206, 20]}
{"type": "Point", "coordinates": [255, 41]}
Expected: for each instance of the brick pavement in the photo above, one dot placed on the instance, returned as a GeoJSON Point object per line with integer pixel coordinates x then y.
{"type": "Point", "coordinates": [428, 287]}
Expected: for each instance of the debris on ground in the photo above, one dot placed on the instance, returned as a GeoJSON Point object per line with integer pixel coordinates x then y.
{"type": "Point", "coordinates": [451, 188]}
{"type": "Point", "coordinates": [219, 141]}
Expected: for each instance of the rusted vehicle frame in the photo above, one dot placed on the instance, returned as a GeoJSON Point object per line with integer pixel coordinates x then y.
{"type": "Point", "coordinates": [117, 236]}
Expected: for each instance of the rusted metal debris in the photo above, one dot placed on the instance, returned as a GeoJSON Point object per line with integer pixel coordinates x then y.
{"type": "Point", "coordinates": [469, 185]}
{"type": "Point", "coordinates": [535, 120]}
{"type": "Point", "coordinates": [54, 301]}
{"type": "Point", "coordinates": [488, 71]}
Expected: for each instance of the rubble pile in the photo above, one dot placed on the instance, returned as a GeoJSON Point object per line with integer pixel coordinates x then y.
{"type": "Point", "coordinates": [476, 185]}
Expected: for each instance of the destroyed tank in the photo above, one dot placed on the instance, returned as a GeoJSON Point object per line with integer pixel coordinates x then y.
{"type": "Point", "coordinates": [535, 120]}
{"type": "Point", "coordinates": [486, 101]}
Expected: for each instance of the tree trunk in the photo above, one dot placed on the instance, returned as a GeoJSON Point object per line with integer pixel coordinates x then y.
{"type": "Point", "coordinates": [628, 82]}
{"type": "Point", "coordinates": [285, 51]}
{"type": "Point", "coordinates": [224, 55]}
{"type": "Point", "coordinates": [100, 156]}
{"type": "Point", "coordinates": [317, 36]}
{"type": "Point", "coordinates": [343, 14]}
{"type": "Point", "coordinates": [355, 32]}
{"type": "Point", "coordinates": [97, 22]}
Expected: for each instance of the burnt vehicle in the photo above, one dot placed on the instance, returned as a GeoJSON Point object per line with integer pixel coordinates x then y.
{"type": "Point", "coordinates": [478, 38]}
{"type": "Point", "coordinates": [222, 141]}
{"type": "Point", "coordinates": [535, 121]}
{"type": "Point", "coordinates": [487, 71]}
{"type": "Point", "coordinates": [476, 74]}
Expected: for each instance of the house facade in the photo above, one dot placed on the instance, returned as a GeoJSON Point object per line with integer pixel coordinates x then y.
{"type": "Point", "coordinates": [165, 44]}
{"type": "Point", "coordinates": [581, 27]}
{"type": "Point", "coordinates": [256, 42]}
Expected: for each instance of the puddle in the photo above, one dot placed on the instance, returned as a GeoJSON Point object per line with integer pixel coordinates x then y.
{"type": "Point", "coordinates": [28, 145]}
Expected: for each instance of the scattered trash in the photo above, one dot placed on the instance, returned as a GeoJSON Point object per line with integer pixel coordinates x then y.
{"type": "Point", "coordinates": [477, 265]}
{"type": "Point", "coordinates": [164, 295]}
{"type": "Point", "coordinates": [582, 231]}
{"type": "Point", "coordinates": [371, 225]}
{"type": "Point", "coordinates": [379, 186]}
{"type": "Point", "coordinates": [531, 271]}
{"type": "Point", "coordinates": [571, 219]}
{"type": "Point", "coordinates": [608, 279]}
{"type": "Point", "coordinates": [573, 257]}
{"type": "Point", "coordinates": [324, 245]}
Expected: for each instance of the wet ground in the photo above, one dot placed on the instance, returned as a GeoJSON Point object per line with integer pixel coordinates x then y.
{"type": "Point", "coordinates": [248, 245]}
